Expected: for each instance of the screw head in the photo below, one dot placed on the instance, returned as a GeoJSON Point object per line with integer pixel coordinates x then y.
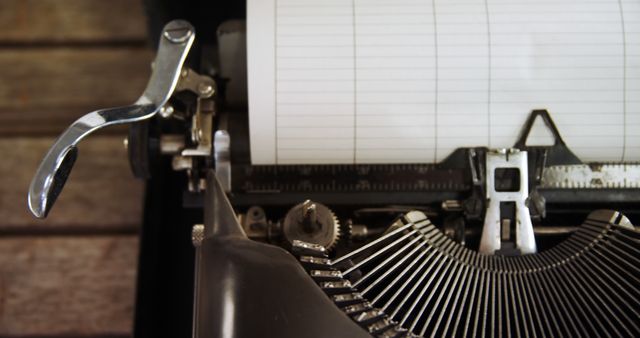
{"type": "Point", "coordinates": [205, 89]}
{"type": "Point", "coordinates": [166, 111]}
{"type": "Point", "coordinates": [178, 31]}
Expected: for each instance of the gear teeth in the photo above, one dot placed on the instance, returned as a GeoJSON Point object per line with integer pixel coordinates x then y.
{"type": "Point", "coordinates": [330, 229]}
{"type": "Point", "coordinates": [337, 233]}
{"type": "Point", "coordinates": [347, 230]}
{"type": "Point", "coordinates": [592, 176]}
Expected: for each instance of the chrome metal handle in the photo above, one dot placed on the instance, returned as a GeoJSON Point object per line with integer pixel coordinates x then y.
{"type": "Point", "coordinates": [175, 42]}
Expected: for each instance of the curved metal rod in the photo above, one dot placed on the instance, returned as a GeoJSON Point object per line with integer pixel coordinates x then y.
{"type": "Point", "coordinates": [177, 38]}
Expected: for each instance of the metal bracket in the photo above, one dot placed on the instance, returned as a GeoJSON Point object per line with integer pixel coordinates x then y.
{"type": "Point", "coordinates": [558, 153]}
{"type": "Point", "coordinates": [202, 128]}
{"type": "Point", "coordinates": [496, 227]}
{"type": "Point", "coordinates": [201, 132]}
{"type": "Point", "coordinates": [221, 146]}
{"type": "Point", "coordinates": [474, 205]}
{"type": "Point", "coordinates": [201, 125]}
{"type": "Point", "coordinates": [202, 85]}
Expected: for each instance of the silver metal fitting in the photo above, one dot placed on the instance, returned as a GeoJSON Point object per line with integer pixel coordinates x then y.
{"type": "Point", "coordinates": [495, 227]}
{"type": "Point", "coordinates": [58, 162]}
{"type": "Point", "coordinates": [197, 234]}
{"type": "Point", "coordinates": [178, 31]}
{"type": "Point", "coordinates": [166, 111]}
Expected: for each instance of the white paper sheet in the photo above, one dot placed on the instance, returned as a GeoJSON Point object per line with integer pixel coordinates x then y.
{"type": "Point", "coordinates": [393, 81]}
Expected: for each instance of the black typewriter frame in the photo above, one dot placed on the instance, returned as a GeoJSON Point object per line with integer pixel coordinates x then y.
{"type": "Point", "coordinates": [165, 281]}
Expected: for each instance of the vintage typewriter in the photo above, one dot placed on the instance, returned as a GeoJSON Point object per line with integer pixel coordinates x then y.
{"type": "Point", "coordinates": [523, 241]}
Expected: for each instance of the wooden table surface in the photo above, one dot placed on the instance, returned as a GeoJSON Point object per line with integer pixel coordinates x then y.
{"type": "Point", "coordinates": [73, 274]}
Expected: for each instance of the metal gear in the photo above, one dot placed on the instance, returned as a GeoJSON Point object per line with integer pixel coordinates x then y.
{"type": "Point", "coordinates": [312, 222]}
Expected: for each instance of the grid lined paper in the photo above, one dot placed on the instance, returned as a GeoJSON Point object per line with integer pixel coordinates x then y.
{"type": "Point", "coordinates": [397, 81]}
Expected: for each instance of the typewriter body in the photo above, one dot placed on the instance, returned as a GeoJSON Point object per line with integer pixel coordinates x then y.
{"type": "Point", "coordinates": [521, 241]}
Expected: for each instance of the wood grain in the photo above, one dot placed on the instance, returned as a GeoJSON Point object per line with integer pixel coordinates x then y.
{"type": "Point", "coordinates": [101, 194]}
{"type": "Point", "coordinates": [67, 286]}
{"type": "Point", "coordinates": [38, 21]}
{"type": "Point", "coordinates": [42, 92]}
{"type": "Point", "coordinates": [73, 274]}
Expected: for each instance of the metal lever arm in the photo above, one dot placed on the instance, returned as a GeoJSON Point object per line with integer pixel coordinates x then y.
{"type": "Point", "coordinates": [175, 42]}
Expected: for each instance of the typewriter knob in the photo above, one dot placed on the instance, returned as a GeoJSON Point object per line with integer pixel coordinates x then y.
{"type": "Point", "coordinates": [311, 222]}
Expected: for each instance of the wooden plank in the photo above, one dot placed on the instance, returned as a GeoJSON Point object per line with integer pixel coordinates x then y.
{"type": "Point", "coordinates": [44, 91]}
{"type": "Point", "coordinates": [37, 21]}
{"type": "Point", "coordinates": [67, 286]}
{"type": "Point", "coordinates": [101, 194]}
